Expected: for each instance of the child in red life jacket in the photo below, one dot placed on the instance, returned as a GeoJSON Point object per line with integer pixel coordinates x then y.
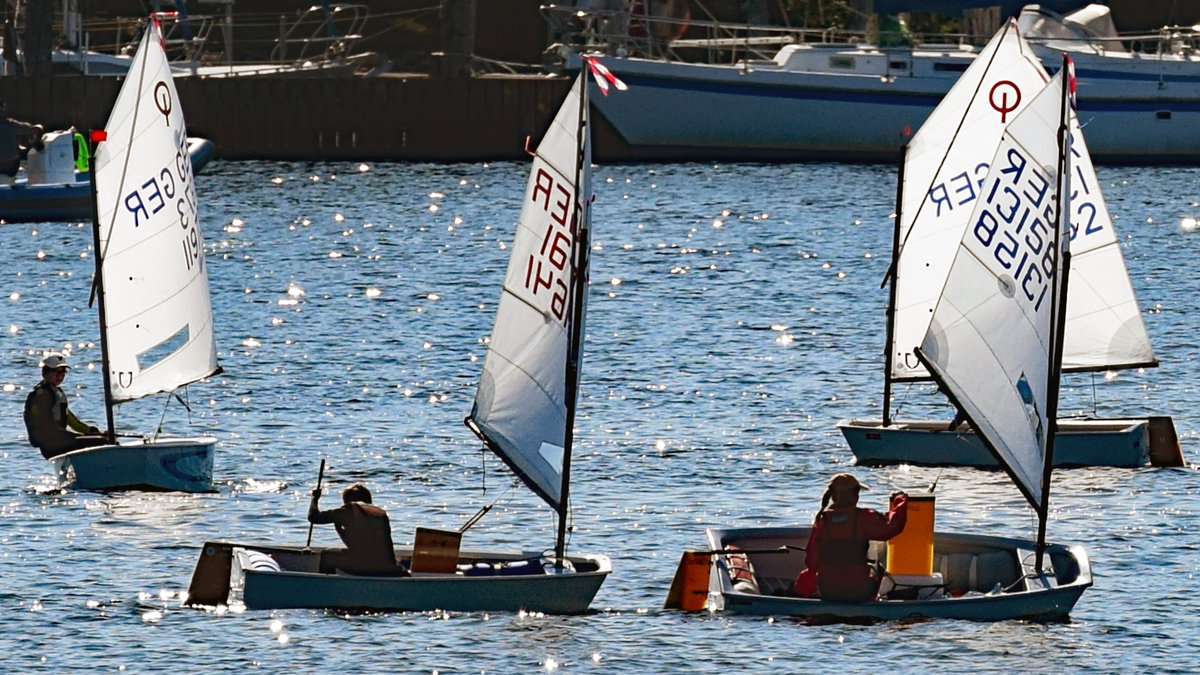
{"type": "Point", "coordinates": [836, 558]}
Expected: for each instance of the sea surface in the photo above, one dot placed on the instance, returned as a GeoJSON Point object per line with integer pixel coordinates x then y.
{"type": "Point", "coordinates": [735, 315]}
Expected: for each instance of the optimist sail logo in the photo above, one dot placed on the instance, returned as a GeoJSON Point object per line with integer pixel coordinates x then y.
{"type": "Point", "coordinates": [999, 98]}
{"type": "Point", "coordinates": [162, 100]}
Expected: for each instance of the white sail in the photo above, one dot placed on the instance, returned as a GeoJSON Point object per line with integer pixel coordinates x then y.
{"type": "Point", "coordinates": [991, 337]}
{"type": "Point", "coordinates": [1104, 324]}
{"type": "Point", "coordinates": [158, 318]}
{"type": "Point", "coordinates": [945, 163]}
{"type": "Point", "coordinates": [521, 404]}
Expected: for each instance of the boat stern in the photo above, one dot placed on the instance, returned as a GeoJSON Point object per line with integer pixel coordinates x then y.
{"type": "Point", "coordinates": [210, 582]}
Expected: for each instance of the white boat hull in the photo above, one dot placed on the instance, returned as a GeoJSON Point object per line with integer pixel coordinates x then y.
{"type": "Point", "coordinates": [219, 579]}
{"type": "Point", "coordinates": [174, 464]}
{"type": "Point", "coordinates": [1135, 111]}
{"type": "Point", "coordinates": [986, 579]}
{"type": "Point", "coordinates": [1079, 442]}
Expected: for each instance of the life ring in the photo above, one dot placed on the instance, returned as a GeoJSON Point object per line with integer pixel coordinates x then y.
{"type": "Point", "coordinates": [661, 20]}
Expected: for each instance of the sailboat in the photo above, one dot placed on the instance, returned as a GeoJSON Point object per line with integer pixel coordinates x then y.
{"type": "Point", "coordinates": [151, 283]}
{"type": "Point", "coordinates": [939, 182]}
{"type": "Point", "coordinates": [524, 412]}
{"type": "Point", "coordinates": [994, 345]}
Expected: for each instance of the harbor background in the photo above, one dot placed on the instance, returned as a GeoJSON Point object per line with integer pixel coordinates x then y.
{"type": "Point", "coordinates": [467, 81]}
{"type": "Point", "coordinates": [735, 314]}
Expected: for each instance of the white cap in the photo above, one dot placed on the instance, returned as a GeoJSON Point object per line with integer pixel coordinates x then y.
{"type": "Point", "coordinates": [55, 361]}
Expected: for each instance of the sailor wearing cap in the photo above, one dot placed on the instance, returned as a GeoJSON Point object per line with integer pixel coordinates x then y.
{"type": "Point", "coordinates": [836, 557]}
{"type": "Point", "coordinates": [53, 428]}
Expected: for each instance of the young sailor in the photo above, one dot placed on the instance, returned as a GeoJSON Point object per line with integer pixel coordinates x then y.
{"type": "Point", "coordinates": [364, 528]}
{"type": "Point", "coordinates": [53, 428]}
{"type": "Point", "coordinates": [836, 558]}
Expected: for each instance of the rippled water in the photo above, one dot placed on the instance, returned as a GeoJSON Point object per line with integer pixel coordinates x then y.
{"type": "Point", "coordinates": [735, 315]}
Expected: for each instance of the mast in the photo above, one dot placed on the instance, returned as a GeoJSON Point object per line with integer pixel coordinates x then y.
{"type": "Point", "coordinates": [1059, 306]}
{"type": "Point", "coordinates": [893, 273]}
{"type": "Point", "coordinates": [98, 291]}
{"type": "Point", "coordinates": [578, 300]}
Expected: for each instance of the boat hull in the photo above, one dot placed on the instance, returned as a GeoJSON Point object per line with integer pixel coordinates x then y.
{"type": "Point", "coordinates": [992, 574]}
{"type": "Point", "coordinates": [176, 464]}
{"type": "Point", "coordinates": [686, 111]}
{"type": "Point", "coordinates": [1135, 112]}
{"type": "Point", "coordinates": [21, 202]}
{"type": "Point", "coordinates": [297, 583]}
{"type": "Point", "coordinates": [1079, 442]}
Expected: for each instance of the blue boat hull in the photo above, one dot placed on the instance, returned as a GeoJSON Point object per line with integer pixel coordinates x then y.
{"type": "Point", "coordinates": [494, 582]}
{"type": "Point", "coordinates": [176, 464]}
{"type": "Point", "coordinates": [1082, 442]}
{"type": "Point", "coordinates": [985, 579]}
{"type": "Point", "coordinates": [21, 202]}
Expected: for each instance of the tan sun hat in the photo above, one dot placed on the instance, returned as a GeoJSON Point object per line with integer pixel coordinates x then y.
{"type": "Point", "coordinates": [843, 482]}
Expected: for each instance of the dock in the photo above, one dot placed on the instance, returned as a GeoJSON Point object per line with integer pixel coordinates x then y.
{"type": "Point", "coordinates": [391, 117]}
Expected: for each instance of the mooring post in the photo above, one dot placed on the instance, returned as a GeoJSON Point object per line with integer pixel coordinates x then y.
{"type": "Point", "coordinates": [457, 40]}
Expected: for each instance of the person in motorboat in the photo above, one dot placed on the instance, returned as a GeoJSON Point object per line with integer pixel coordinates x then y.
{"type": "Point", "coordinates": [52, 427]}
{"type": "Point", "coordinates": [16, 139]}
{"type": "Point", "coordinates": [366, 531]}
{"type": "Point", "coordinates": [836, 556]}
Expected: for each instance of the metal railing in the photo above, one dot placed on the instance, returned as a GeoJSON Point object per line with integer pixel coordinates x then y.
{"type": "Point", "coordinates": [321, 32]}
{"type": "Point", "coordinates": [625, 33]}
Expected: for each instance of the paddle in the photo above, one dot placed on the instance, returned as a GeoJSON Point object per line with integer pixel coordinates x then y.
{"type": "Point", "coordinates": [320, 475]}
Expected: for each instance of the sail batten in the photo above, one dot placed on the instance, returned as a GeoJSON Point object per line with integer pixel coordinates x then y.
{"type": "Point", "coordinates": [946, 166]}
{"type": "Point", "coordinates": [149, 247]}
{"type": "Point", "coordinates": [522, 403]}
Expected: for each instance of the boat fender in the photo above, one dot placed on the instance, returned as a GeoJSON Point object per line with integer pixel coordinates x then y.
{"type": "Point", "coordinates": [741, 572]}
{"type": "Point", "coordinates": [82, 156]}
{"type": "Point", "coordinates": [479, 569]}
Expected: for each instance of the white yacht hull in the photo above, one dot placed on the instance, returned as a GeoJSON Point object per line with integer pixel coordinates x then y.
{"type": "Point", "coordinates": [1136, 110]}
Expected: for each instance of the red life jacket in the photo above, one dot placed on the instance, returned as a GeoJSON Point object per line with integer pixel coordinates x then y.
{"type": "Point", "coordinates": [841, 544]}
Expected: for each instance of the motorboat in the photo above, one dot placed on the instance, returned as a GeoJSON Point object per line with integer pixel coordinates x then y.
{"type": "Point", "coordinates": [54, 186]}
{"type": "Point", "coordinates": [320, 41]}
